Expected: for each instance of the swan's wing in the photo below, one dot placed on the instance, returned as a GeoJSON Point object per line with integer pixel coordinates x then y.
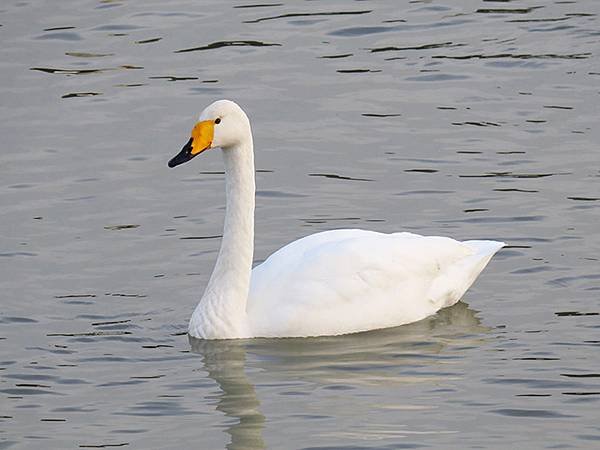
{"type": "Point", "coordinates": [352, 280]}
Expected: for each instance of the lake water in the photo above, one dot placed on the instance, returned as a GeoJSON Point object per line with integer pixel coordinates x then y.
{"type": "Point", "coordinates": [472, 119]}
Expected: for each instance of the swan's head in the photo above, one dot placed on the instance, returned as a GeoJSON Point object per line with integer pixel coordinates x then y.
{"type": "Point", "coordinates": [222, 124]}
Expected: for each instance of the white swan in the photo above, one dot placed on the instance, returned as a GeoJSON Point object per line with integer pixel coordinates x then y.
{"type": "Point", "coordinates": [334, 282]}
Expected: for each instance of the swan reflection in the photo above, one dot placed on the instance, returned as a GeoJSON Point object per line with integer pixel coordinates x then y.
{"type": "Point", "coordinates": [378, 357]}
{"type": "Point", "coordinates": [224, 360]}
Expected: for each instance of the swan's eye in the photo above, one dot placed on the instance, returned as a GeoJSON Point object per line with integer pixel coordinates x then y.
{"type": "Point", "coordinates": [217, 120]}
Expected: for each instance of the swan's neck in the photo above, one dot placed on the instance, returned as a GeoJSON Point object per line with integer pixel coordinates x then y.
{"type": "Point", "coordinates": [221, 312]}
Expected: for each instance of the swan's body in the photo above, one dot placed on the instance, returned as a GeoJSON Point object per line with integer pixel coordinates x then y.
{"type": "Point", "coordinates": [334, 282]}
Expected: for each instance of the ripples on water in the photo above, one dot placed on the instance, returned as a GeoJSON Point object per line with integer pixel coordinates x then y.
{"type": "Point", "coordinates": [476, 119]}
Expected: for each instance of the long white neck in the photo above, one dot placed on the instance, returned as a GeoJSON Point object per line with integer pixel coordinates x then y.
{"type": "Point", "coordinates": [221, 312]}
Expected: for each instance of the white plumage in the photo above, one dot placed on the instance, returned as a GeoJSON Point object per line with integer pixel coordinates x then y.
{"type": "Point", "coordinates": [334, 282]}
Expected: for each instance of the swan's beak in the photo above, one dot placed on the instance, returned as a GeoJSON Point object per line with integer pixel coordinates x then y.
{"type": "Point", "coordinates": [202, 136]}
{"type": "Point", "coordinates": [183, 156]}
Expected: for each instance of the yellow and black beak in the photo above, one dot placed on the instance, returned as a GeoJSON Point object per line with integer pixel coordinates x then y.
{"type": "Point", "coordinates": [202, 137]}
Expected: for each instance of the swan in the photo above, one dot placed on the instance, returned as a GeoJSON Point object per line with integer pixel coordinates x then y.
{"type": "Point", "coordinates": [329, 283]}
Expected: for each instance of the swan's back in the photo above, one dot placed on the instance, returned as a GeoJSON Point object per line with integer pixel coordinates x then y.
{"type": "Point", "coordinates": [345, 281]}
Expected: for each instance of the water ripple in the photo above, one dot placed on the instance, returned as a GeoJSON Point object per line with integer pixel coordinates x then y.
{"type": "Point", "coordinates": [221, 44]}
{"type": "Point", "coordinates": [312, 14]}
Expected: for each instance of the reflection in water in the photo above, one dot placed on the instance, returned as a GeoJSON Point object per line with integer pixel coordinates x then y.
{"type": "Point", "coordinates": [371, 357]}
{"type": "Point", "coordinates": [224, 361]}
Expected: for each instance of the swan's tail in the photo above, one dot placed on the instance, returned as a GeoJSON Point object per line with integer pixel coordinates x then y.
{"type": "Point", "coordinates": [484, 248]}
{"type": "Point", "coordinates": [451, 285]}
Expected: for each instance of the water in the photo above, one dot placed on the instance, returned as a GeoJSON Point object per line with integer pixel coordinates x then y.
{"type": "Point", "coordinates": [474, 119]}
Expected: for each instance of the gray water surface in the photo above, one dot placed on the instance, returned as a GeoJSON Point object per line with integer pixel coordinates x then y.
{"type": "Point", "coordinates": [471, 118]}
